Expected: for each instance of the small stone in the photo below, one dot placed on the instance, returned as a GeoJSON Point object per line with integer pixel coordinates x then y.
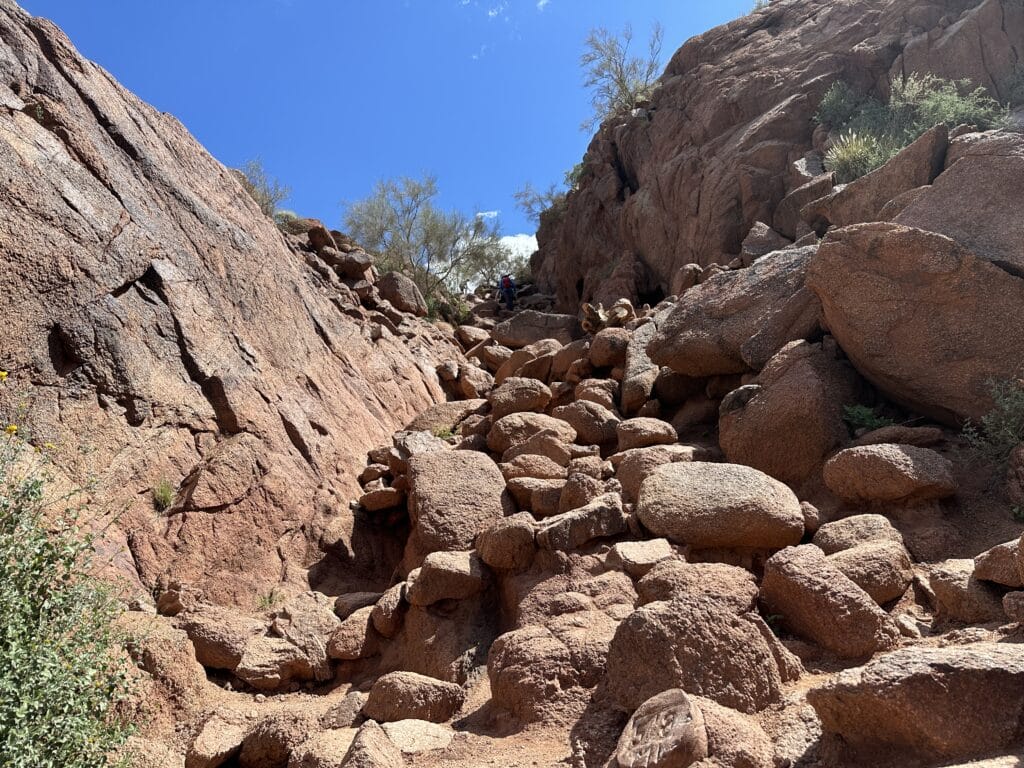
{"type": "Point", "coordinates": [667, 731]}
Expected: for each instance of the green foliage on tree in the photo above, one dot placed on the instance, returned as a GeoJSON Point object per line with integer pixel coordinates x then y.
{"type": "Point", "coordinates": [62, 670]}
{"type": "Point", "coordinates": [267, 191]}
{"type": "Point", "coordinates": [444, 252]}
{"type": "Point", "coordinates": [618, 80]}
{"type": "Point", "coordinates": [873, 132]}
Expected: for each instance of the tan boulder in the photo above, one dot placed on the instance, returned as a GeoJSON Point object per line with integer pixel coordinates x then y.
{"type": "Point", "coordinates": [864, 199]}
{"type": "Point", "coordinates": [639, 373]}
{"type": "Point", "coordinates": [642, 432]}
{"type": "Point", "coordinates": [604, 392]}
{"type": "Point", "coordinates": [666, 731]}
{"type": "Point", "coordinates": [633, 466]}
{"type": "Point", "coordinates": [791, 417]}
{"type": "Point", "coordinates": [738, 319]}
{"type": "Point", "coordinates": [961, 596]}
{"type": "Point", "coordinates": [695, 644]}
{"type": "Point", "coordinates": [902, 435]}
{"type": "Point", "coordinates": [873, 279]}
{"type": "Point", "coordinates": [218, 741]}
{"type": "Point", "coordinates": [608, 347]}
{"type": "Point", "coordinates": [323, 750]}
{"type": "Point", "coordinates": [402, 293]}
{"type": "Point", "coordinates": [889, 473]}
{"type": "Point", "coordinates": [637, 558]}
{"type": "Point", "coordinates": [453, 496]}
{"type": "Point", "coordinates": [388, 612]}
{"type": "Point", "coordinates": [516, 395]}
{"type": "Point", "coordinates": [881, 568]}
{"type": "Point", "coordinates": [515, 428]}
{"type": "Point", "coordinates": [547, 443]}
{"type": "Point", "coordinates": [415, 736]}
{"type": "Point", "coordinates": [275, 736]}
{"type": "Point", "coordinates": [355, 638]}
{"type": "Point", "coordinates": [219, 635]}
{"type": "Point", "coordinates": [927, 704]}
{"type": "Point", "coordinates": [407, 695]}
{"type": "Point", "coordinates": [529, 326]}
{"type": "Point", "coordinates": [307, 620]}
{"type": "Point", "coordinates": [579, 490]}
{"type": "Point", "coordinates": [446, 416]}
{"type": "Point", "coordinates": [371, 748]}
{"type": "Point", "coordinates": [853, 531]}
{"type": "Point", "coordinates": [676, 579]}
{"type": "Point", "coordinates": [719, 505]}
{"type": "Point", "coordinates": [532, 465]}
{"type": "Point", "coordinates": [998, 565]}
{"type": "Point", "coordinates": [601, 518]}
{"type": "Point", "coordinates": [734, 738]}
{"type": "Point", "coordinates": [446, 576]}
{"type": "Point", "coordinates": [271, 662]}
{"type": "Point", "coordinates": [818, 602]}
{"type": "Point", "coordinates": [592, 423]}
{"type": "Point", "coordinates": [509, 543]}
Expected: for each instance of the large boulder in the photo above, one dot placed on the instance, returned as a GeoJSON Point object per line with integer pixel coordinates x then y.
{"type": "Point", "coordinates": [719, 505]}
{"type": "Point", "coordinates": [881, 568]}
{"type": "Point", "coordinates": [402, 293]}
{"type": "Point", "coordinates": [889, 473]}
{"type": "Point", "coordinates": [855, 530]}
{"type": "Point", "coordinates": [873, 281]}
{"type": "Point", "coordinates": [516, 428]}
{"type": "Point", "coordinates": [594, 424]}
{"type": "Point", "coordinates": [816, 601]}
{"type": "Point", "coordinates": [975, 200]}
{"type": "Point", "coordinates": [407, 695]}
{"type": "Point", "coordinates": [791, 417]}
{"type": "Point", "coordinates": [961, 596]}
{"type": "Point", "coordinates": [697, 644]}
{"type": "Point", "coordinates": [529, 326]}
{"type": "Point", "coordinates": [738, 319]}
{"type": "Point", "coordinates": [863, 199]}
{"type": "Point", "coordinates": [927, 704]}
{"type": "Point", "coordinates": [666, 731]}
{"type": "Point", "coordinates": [516, 395]}
{"type": "Point", "coordinates": [677, 579]}
{"type": "Point", "coordinates": [453, 496]}
{"type": "Point", "coordinates": [601, 518]}
{"type": "Point", "coordinates": [446, 576]}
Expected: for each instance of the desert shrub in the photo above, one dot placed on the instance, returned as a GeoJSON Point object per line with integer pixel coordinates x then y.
{"type": "Point", "coordinates": [619, 81]}
{"type": "Point", "coordinates": [62, 673]}
{"type": "Point", "coordinates": [853, 156]}
{"type": "Point", "coordinates": [267, 191]}
{"type": "Point", "coordinates": [163, 496]}
{"type": "Point", "coordinates": [760, 5]}
{"type": "Point", "coordinates": [873, 132]}
{"type": "Point", "coordinates": [1002, 428]}
{"type": "Point", "coordinates": [839, 105]}
{"type": "Point", "coordinates": [268, 601]}
{"type": "Point", "coordinates": [444, 433]}
{"type": "Point", "coordinates": [864, 417]}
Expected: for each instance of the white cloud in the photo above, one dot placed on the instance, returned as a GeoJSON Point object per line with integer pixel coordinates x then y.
{"type": "Point", "coordinates": [521, 244]}
{"type": "Point", "coordinates": [487, 214]}
{"type": "Point", "coordinates": [498, 10]}
{"type": "Point", "coordinates": [542, 4]}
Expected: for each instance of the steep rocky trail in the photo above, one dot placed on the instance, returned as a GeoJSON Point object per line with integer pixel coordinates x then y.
{"type": "Point", "coordinates": [653, 536]}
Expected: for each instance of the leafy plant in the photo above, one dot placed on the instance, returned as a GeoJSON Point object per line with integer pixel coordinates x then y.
{"type": "Point", "coordinates": [269, 600]}
{"type": "Point", "coordinates": [618, 80]}
{"type": "Point", "coordinates": [853, 156]}
{"type": "Point", "coordinates": [267, 191]}
{"type": "Point", "coordinates": [1002, 428]}
{"type": "Point", "coordinates": [873, 132]}
{"type": "Point", "coordinates": [62, 670]}
{"type": "Point", "coordinates": [444, 252]}
{"type": "Point", "coordinates": [163, 495]}
{"type": "Point", "coordinates": [864, 417]}
{"type": "Point", "coordinates": [444, 432]}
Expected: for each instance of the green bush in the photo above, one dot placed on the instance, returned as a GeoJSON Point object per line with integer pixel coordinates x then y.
{"type": "Point", "coordinates": [873, 132]}
{"type": "Point", "coordinates": [853, 156]}
{"type": "Point", "coordinates": [444, 433]}
{"type": "Point", "coordinates": [863, 417]}
{"type": "Point", "coordinates": [163, 496]}
{"type": "Point", "coordinates": [62, 673]}
{"type": "Point", "coordinates": [1002, 428]}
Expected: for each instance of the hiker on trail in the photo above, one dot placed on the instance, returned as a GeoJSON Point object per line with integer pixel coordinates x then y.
{"type": "Point", "coordinates": [507, 291]}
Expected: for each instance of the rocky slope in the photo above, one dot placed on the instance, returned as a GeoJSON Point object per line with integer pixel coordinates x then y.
{"type": "Point", "coordinates": [684, 179]}
{"type": "Point", "coordinates": [159, 329]}
{"type": "Point", "coordinates": [648, 539]}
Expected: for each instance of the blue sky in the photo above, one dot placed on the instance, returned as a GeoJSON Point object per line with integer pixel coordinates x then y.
{"type": "Point", "coordinates": [333, 95]}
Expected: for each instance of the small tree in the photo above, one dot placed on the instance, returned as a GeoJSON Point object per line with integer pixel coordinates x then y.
{"type": "Point", "coordinates": [618, 80]}
{"type": "Point", "coordinates": [267, 191]}
{"type": "Point", "coordinates": [442, 251]}
{"type": "Point", "coordinates": [532, 202]}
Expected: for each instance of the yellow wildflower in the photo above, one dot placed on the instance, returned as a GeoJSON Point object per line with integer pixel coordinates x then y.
{"type": "Point", "coordinates": [12, 429]}
{"type": "Point", "coordinates": [3, 376]}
